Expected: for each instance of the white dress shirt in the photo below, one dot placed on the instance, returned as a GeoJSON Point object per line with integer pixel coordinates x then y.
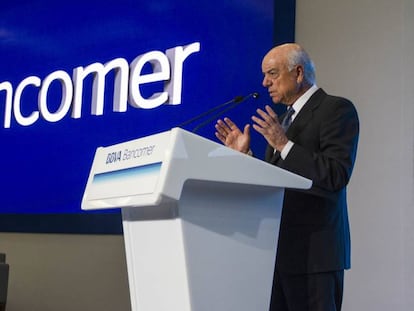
{"type": "Point", "coordinates": [297, 106]}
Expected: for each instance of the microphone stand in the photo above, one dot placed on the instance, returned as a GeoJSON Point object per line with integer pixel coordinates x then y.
{"type": "Point", "coordinates": [227, 106]}
{"type": "Point", "coordinates": [205, 113]}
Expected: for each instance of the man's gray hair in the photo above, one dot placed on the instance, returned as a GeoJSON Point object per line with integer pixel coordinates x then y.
{"type": "Point", "coordinates": [300, 57]}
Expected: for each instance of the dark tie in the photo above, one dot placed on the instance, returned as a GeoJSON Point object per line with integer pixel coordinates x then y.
{"type": "Point", "coordinates": [287, 120]}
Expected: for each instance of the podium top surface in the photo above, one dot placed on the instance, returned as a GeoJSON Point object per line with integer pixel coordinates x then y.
{"type": "Point", "coordinates": [148, 170]}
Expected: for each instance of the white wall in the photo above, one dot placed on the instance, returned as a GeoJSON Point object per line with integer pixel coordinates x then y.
{"type": "Point", "coordinates": [364, 50]}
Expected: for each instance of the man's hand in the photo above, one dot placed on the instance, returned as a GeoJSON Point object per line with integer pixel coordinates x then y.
{"type": "Point", "coordinates": [268, 125]}
{"type": "Point", "coordinates": [231, 136]}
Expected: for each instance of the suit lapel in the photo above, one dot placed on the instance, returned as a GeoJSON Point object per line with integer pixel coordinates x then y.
{"type": "Point", "coordinates": [305, 115]}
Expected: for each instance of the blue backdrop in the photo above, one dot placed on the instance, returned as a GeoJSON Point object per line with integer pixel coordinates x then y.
{"type": "Point", "coordinates": [45, 165]}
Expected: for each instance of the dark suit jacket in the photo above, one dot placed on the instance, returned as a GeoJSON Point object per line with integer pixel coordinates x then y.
{"type": "Point", "coordinates": [314, 231]}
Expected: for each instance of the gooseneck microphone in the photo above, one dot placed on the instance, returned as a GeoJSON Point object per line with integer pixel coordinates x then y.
{"type": "Point", "coordinates": [225, 107]}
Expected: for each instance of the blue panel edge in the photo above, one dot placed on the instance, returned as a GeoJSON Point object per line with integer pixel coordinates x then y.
{"type": "Point", "coordinates": [284, 21]}
{"type": "Point", "coordinates": [82, 223]}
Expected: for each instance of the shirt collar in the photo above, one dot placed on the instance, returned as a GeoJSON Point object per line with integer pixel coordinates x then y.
{"type": "Point", "coordinates": [301, 101]}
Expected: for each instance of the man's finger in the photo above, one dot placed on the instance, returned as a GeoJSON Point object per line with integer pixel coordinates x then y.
{"type": "Point", "coordinates": [259, 122]}
{"type": "Point", "coordinates": [271, 112]}
{"type": "Point", "coordinates": [230, 123]}
{"type": "Point", "coordinates": [265, 116]}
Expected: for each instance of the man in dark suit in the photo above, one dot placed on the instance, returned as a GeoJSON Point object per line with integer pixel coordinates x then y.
{"type": "Point", "coordinates": [316, 138]}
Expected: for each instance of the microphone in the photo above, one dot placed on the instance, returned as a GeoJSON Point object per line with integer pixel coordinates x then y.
{"type": "Point", "coordinates": [226, 106]}
{"type": "Point", "coordinates": [231, 106]}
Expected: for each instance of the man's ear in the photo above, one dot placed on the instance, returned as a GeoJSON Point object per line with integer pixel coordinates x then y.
{"type": "Point", "coordinates": [300, 73]}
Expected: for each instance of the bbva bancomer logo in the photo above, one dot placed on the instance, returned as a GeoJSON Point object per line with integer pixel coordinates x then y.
{"type": "Point", "coordinates": [167, 68]}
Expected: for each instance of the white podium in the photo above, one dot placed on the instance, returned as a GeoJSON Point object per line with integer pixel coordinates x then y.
{"type": "Point", "coordinates": [200, 220]}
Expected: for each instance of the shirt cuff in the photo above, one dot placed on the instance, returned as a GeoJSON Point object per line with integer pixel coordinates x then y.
{"type": "Point", "coordinates": [285, 151]}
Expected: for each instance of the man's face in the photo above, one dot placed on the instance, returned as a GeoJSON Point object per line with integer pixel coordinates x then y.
{"type": "Point", "coordinates": [283, 85]}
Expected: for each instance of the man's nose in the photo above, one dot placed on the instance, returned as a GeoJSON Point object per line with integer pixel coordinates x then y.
{"type": "Point", "coordinates": [266, 82]}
